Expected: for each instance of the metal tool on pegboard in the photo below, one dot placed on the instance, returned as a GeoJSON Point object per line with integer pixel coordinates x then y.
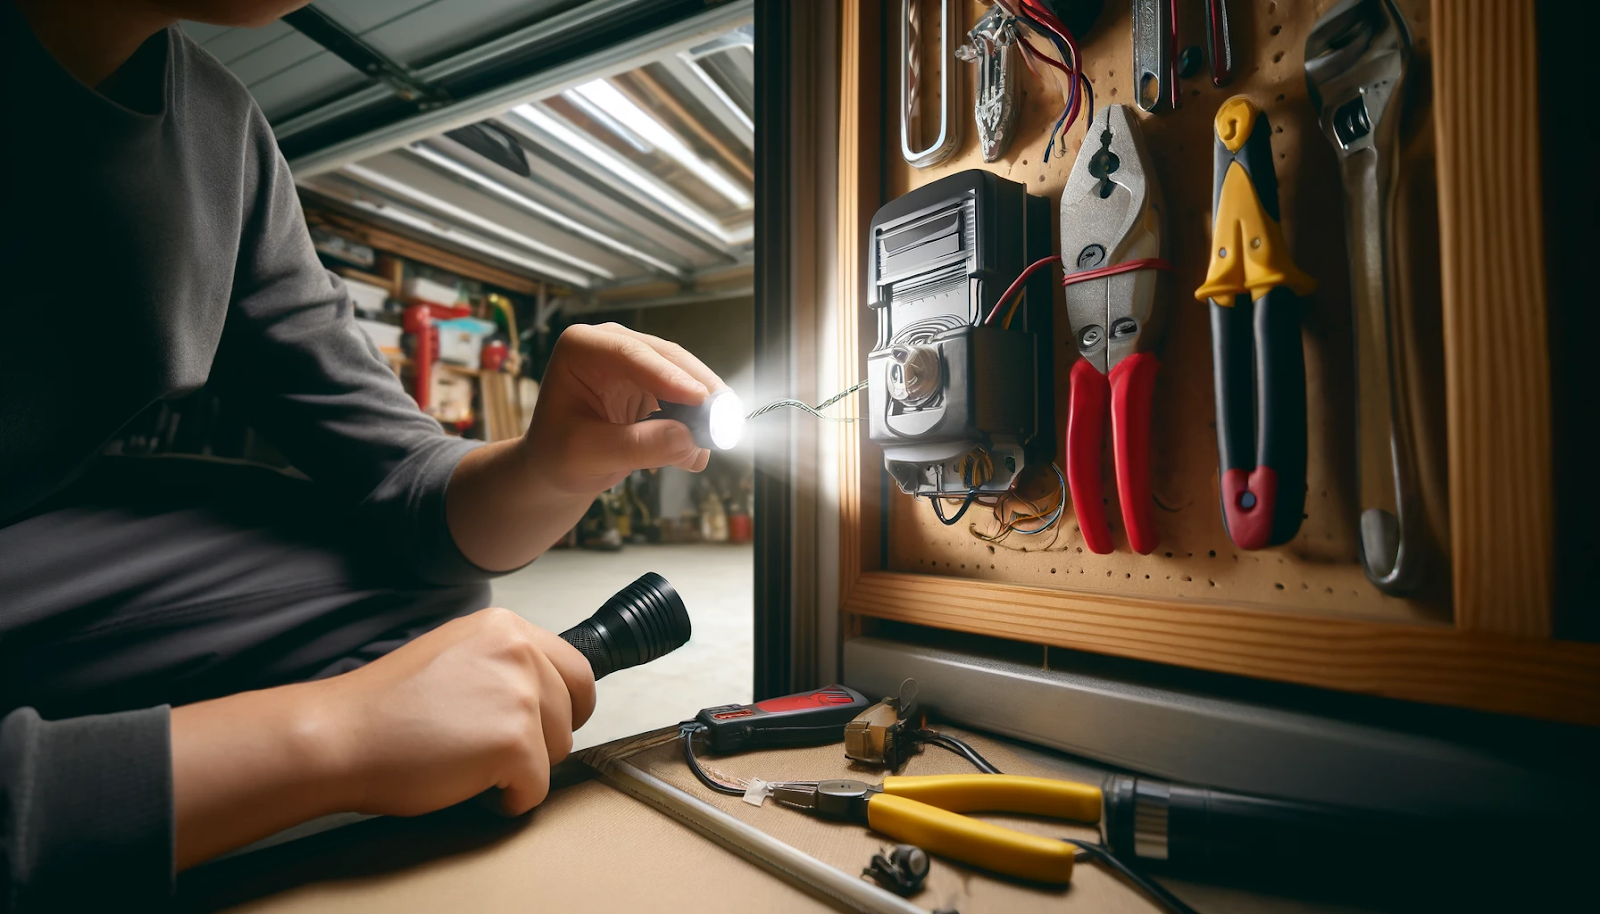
{"type": "Point", "coordinates": [1357, 58]}
{"type": "Point", "coordinates": [1113, 246]}
{"type": "Point", "coordinates": [912, 73]}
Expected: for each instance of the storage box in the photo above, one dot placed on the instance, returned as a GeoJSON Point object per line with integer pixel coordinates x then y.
{"type": "Point", "coordinates": [461, 340]}
{"type": "Point", "coordinates": [367, 298]}
{"type": "Point", "coordinates": [418, 289]}
{"type": "Point", "coordinates": [385, 336]}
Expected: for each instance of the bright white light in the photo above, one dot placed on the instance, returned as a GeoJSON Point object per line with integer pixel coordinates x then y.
{"type": "Point", "coordinates": [606, 159]}
{"type": "Point", "coordinates": [539, 209]}
{"type": "Point", "coordinates": [726, 421]}
{"type": "Point", "coordinates": [606, 97]}
{"type": "Point", "coordinates": [447, 208]}
{"type": "Point", "coordinates": [604, 119]}
{"type": "Point", "coordinates": [396, 214]}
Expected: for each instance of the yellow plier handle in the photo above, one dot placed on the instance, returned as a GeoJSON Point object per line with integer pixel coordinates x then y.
{"type": "Point", "coordinates": [926, 811]}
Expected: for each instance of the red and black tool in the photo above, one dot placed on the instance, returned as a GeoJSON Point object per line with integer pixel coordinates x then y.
{"type": "Point", "coordinates": [1112, 262]}
{"type": "Point", "coordinates": [1258, 364]}
{"type": "Point", "coordinates": [805, 718]}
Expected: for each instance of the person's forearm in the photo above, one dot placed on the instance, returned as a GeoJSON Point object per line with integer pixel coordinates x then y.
{"type": "Point", "coordinates": [500, 514]}
{"type": "Point", "coordinates": [249, 765]}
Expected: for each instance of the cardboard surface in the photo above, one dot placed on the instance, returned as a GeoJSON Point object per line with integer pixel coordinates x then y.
{"type": "Point", "coordinates": [588, 848]}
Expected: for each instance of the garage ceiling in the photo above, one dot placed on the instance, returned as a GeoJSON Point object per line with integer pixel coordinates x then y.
{"type": "Point", "coordinates": [624, 172]}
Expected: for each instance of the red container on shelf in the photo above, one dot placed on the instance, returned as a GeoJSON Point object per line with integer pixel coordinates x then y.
{"type": "Point", "coordinates": [740, 528]}
{"type": "Point", "coordinates": [493, 355]}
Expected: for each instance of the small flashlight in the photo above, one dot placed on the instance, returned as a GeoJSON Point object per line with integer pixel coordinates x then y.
{"type": "Point", "coordinates": [717, 423]}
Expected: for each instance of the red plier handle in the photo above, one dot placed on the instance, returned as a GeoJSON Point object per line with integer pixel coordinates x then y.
{"type": "Point", "coordinates": [1129, 395]}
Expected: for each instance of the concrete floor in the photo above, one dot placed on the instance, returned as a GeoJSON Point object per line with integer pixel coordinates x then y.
{"type": "Point", "coordinates": [717, 583]}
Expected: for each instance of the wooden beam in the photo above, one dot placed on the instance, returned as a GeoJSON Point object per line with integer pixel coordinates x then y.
{"type": "Point", "coordinates": [1438, 664]}
{"type": "Point", "coordinates": [1497, 360]}
{"type": "Point", "coordinates": [860, 111]}
{"type": "Point", "coordinates": [383, 240]}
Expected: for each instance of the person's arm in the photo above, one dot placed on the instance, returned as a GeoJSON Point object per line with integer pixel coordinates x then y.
{"type": "Point", "coordinates": [319, 390]}
{"type": "Point", "coordinates": [488, 700]}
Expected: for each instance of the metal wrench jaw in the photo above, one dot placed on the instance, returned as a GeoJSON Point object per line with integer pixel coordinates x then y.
{"type": "Point", "coordinates": [1111, 212]}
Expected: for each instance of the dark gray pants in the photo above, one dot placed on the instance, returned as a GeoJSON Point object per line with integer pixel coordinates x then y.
{"type": "Point", "coordinates": [169, 580]}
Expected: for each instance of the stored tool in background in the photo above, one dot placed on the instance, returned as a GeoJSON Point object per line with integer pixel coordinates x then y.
{"type": "Point", "coordinates": [1257, 357]}
{"type": "Point", "coordinates": [1113, 255]}
{"type": "Point", "coordinates": [960, 407]}
{"type": "Point", "coordinates": [1357, 58]}
{"type": "Point", "coordinates": [992, 45]}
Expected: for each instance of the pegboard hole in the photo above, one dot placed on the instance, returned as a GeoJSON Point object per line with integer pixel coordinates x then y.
{"type": "Point", "coordinates": [1276, 29]}
{"type": "Point", "coordinates": [1169, 555]}
{"type": "Point", "coordinates": [1052, 571]}
{"type": "Point", "coordinates": [1212, 553]}
{"type": "Point", "coordinates": [1324, 494]}
{"type": "Point", "coordinates": [1187, 579]}
{"type": "Point", "coordinates": [1279, 586]}
{"type": "Point", "coordinates": [991, 552]}
{"type": "Point", "coordinates": [1211, 582]}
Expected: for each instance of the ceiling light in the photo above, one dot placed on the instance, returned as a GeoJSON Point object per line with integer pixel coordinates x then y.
{"type": "Point", "coordinates": [445, 207]}
{"type": "Point", "coordinates": [540, 210]}
{"type": "Point", "coordinates": [606, 97]}
{"type": "Point", "coordinates": [603, 157]}
{"type": "Point", "coordinates": [412, 220]}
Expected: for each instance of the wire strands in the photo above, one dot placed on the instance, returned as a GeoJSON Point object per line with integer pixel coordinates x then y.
{"type": "Point", "coordinates": [789, 403]}
{"type": "Point", "coordinates": [689, 730]}
{"type": "Point", "coordinates": [1016, 286]}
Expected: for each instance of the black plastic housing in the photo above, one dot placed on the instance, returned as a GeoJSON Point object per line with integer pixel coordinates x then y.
{"type": "Point", "coordinates": [641, 622]}
{"type": "Point", "coordinates": [940, 258]}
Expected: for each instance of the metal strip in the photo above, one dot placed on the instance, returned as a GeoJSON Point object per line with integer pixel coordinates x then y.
{"type": "Point", "coordinates": [350, 48]}
{"type": "Point", "coordinates": [1427, 761]}
{"type": "Point", "coordinates": [845, 890]}
{"type": "Point", "coordinates": [568, 21]}
{"type": "Point", "coordinates": [616, 59]}
{"type": "Point", "coordinates": [910, 84]}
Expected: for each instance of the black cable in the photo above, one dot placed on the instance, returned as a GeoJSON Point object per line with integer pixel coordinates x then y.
{"type": "Point", "coordinates": [689, 732]}
{"type": "Point", "coordinates": [959, 747]}
{"type": "Point", "coordinates": [966, 503]}
{"type": "Point", "coordinates": [1154, 890]}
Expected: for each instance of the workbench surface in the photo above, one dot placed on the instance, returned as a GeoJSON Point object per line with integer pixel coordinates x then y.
{"type": "Point", "coordinates": [594, 848]}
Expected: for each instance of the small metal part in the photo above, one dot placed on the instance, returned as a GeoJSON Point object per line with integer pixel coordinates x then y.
{"type": "Point", "coordinates": [900, 868]}
{"type": "Point", "coordinates": [914, 374]}
{"type": "Point", "coordinates": [992, 46]}
{"type": "Point", "coordinates": [911, 72]}
{"type": "Point", "coordinates": [1189, 61]}
{"type": "Point", "coordinates": [1152, 54]}
{"type": "Point", "coordinates": [842, 799]}
{"type": "Point", "coordinates": [883, 734]}
{"type": "Point", "coordinates": [1219, 43]}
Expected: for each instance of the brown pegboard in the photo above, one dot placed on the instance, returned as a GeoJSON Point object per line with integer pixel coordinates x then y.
{"type": "Point", "coordinates": [1319, 572]}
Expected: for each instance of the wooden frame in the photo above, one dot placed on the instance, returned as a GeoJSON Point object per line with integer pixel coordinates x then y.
{"type": "Point", "coordinates": [1497, 656]}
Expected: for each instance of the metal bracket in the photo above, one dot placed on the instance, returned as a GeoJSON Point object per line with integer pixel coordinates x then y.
{"type": "Point", "coordinates": [949, 136]}
{"type": "Point", "coordinates": [350, 48]}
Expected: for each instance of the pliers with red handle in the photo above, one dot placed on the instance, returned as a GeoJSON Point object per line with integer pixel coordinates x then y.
{"type": "Point", "coordinates": [1113, 251]}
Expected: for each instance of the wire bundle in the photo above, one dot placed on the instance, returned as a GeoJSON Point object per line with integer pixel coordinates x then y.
{"type": "Point", "coordinates": [1039, 19]}
{"type": "Point", "coordinates": [803, 406]}
{"type": "Point", "coordinates": [1047, 519]}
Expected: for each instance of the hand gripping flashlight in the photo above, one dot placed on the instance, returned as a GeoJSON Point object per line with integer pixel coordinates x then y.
{"type": "Point", "coordinates": [717, 423]}
{"type": "Point", "coordinates": [641, 622]}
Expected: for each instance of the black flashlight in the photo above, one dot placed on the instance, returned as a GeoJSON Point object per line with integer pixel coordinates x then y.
{"type": "Point", "coordinates": [641, 622]}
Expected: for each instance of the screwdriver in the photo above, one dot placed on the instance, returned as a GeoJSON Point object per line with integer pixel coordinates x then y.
{"type": "Point", "coordinates": [1257, 362]}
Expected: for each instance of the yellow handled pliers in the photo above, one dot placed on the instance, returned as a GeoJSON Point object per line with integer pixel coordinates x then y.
{"type": "Point", "coordinates": [926, 811]}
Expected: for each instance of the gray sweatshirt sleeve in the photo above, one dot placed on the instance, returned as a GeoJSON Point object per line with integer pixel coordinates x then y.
{"type": "Point", "coordinates": [320, 390]}
{"type": "Point", "coordinates": [85, 811]}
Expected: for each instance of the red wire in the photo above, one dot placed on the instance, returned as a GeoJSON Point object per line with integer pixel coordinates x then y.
{"type": "Point", "coordinates": [1017, 284]}
{"type": "Point", "coordinates": [1127, 266]}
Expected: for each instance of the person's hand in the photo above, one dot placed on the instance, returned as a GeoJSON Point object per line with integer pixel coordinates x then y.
{"type": "Point", "coordinates": [487, 700]}
{"type": "Point", "coordinates": [586, 435]}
